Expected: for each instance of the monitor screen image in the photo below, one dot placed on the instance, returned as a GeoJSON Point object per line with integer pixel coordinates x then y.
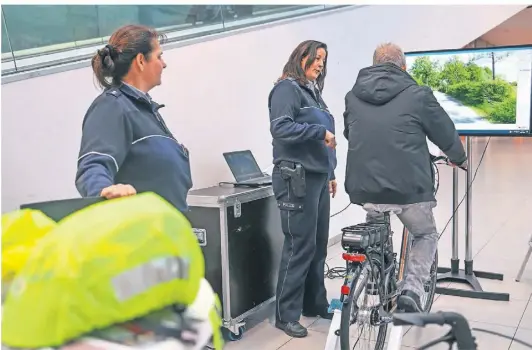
{"type": "Point", "coordinates": [486, 92]}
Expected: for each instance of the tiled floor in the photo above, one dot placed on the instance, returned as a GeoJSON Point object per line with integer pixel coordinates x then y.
{"type": "Point", "coordinates": [502, 208]}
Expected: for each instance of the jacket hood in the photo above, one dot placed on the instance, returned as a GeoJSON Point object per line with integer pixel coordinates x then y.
{"type": "Point", "coordinates": [381, 83]}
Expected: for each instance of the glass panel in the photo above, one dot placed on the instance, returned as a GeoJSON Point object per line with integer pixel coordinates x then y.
{"type": "Point", "coordinates": [8, 63]}
{"type": "Point", "coordinates": [50, 34]}
{"type": "Point", "coordinates": [45, 35]}
{"type": "Point", "coordinates": [38, 26]}
{"type": "Point", "coordinates": [245, 15]}
{"type": "Point", "coordinates": [83, 21]}
{"type": "Point", "coordinates": [6, 50]}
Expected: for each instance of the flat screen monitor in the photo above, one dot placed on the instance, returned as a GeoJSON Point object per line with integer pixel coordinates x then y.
{"type": "Point", "coordinates": [485, 91]}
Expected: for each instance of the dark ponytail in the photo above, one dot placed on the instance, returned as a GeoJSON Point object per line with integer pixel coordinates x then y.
{"type": "Point", "coordinates": [111, 63]}
{"type": "Point", "coordinates": [104, 67]}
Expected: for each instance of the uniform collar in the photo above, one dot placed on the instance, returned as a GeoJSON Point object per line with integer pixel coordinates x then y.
{"type": "Point", "coordinates": [134, 92]}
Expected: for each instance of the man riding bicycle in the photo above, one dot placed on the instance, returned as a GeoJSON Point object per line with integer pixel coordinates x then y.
{"type": "Point", "coordinates": [387, 120]}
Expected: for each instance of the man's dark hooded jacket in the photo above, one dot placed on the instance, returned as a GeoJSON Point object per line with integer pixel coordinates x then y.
{"type": "Point", "coordinates": [387, 120]}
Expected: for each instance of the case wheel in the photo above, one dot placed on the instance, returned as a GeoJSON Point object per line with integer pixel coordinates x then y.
{"type": "Point", "coordinates": [228, 335]}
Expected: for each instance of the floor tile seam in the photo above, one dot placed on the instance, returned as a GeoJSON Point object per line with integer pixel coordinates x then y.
{"type": "Point", "coordinates": [497, 231]}
{"type": "Point", "coordinates": [522, 317]}
{"type": "Point", "coordinates": [519, 325]}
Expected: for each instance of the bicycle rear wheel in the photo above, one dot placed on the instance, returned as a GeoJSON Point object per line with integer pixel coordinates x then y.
{"type": "Point", "coordinates": [359, 325]}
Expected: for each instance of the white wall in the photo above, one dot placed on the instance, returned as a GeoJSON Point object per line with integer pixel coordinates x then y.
{"type": "Point", "coordinates": [216, 94]}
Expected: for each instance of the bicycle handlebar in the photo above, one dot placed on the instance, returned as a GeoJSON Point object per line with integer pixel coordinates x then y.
{"type": "Point", "coordinates": [461, 332]}
{"type": "Point", "coordinates": [436, 159]}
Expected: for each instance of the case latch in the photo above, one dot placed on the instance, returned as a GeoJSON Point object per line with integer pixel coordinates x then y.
{"type": "Point", "coordinates": [237, 209]}
{"type": "Point", "coordinates": [201, 235]}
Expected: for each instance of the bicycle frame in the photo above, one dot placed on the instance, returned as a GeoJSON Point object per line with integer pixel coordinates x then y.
{"type": "Point", "coordinates": [405, 248]}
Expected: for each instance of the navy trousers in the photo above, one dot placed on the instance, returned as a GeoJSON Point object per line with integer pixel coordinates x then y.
{"type": "Point", "coordinates": [305, 224]}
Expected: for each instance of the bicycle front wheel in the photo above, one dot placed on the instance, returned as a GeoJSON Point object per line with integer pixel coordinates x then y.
{"type": "Point", "coordinates": [360, 326]}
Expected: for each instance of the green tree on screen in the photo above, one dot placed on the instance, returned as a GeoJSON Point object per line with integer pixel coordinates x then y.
{"type": "Point", "coordinates": [454, 71]}
{"type": "Point", "coordinates": [425, 72]}
{"type": "Point", "coordinates": [478, 87]}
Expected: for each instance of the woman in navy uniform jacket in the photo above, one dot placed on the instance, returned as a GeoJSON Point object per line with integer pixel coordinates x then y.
{"type": "Point", "coordinates": [303, 144]}
{"type": "Point", "coordinates": [126, 147]}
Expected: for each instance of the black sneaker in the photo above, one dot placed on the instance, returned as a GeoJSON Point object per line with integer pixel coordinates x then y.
{"type": "Point", "coordinates": [292, 329]}
{"type": "Point", "coordinates": [409, 302]}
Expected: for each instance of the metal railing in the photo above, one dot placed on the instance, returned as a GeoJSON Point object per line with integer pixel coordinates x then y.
{"type": "Point", "coordinates": [42, 36]}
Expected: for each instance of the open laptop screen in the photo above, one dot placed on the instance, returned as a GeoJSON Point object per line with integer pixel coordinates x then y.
{"type": "Point", "coordinates": [243, 165]}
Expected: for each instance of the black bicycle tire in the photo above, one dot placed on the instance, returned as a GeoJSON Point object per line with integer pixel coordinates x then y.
{"type": "Point", "coordinates": [434, 281]}
{"type": "Point", "coordinates": [346, 312]}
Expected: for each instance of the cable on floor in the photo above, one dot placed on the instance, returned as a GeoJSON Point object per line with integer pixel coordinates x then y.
{"type": "Point", "coordinates": [335, 272]}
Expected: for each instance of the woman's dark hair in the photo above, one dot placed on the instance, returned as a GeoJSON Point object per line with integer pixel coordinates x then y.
{"type": "Point", "coordinates": [112, 63]}
{"type": "Point", "coordinates": [293, 69]}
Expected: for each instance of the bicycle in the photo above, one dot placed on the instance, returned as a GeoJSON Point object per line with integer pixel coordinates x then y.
{"type": "Point", "coordinates": [372, 268]}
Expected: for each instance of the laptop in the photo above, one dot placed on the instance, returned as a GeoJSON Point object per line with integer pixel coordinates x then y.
{"type": "Point", "coordinates": [245, 169]}
{"type": "Point", "coordinates": [59, 209]}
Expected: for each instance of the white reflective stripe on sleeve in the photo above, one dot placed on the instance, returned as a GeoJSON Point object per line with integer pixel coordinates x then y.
{"type": "Point", "coordinates": [150, 136]}
{"type": "Point", "coordinates": [321, 109]}
{"type": "Point", "coordinates": [283, 117]}
{"type": "Point", "coordinates": [101, 154]}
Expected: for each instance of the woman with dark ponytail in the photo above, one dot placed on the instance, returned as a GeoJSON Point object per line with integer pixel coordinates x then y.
{"type": "Point", "coordinates": [126, 147]}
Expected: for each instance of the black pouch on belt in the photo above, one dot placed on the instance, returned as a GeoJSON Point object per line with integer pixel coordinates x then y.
{"type": "Point", "coordinates": [295, 174]}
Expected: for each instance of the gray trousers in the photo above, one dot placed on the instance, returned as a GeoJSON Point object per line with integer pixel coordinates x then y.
{"type": "Point", "coordinates": [419, 221]}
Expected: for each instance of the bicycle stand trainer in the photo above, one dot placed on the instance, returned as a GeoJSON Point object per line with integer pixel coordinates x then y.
{"type": "Point", "coordinates": [468, 275]}
{"type": "Point", "coordinates": [333, 338]}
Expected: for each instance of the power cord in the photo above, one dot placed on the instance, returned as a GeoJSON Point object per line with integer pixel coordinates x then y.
{"type": "Point", "coordinates": [449, 338]}
{"type": "Point", "coordinates": [502, 336]}
{"type": "Point", "coordinates": [334, 272]}
{"type": "Point", "coordinates": [339, 271]}
{"type": "Point", "coordinates": [341, 211]}
{"type": "Point", "coordinates": [467, 190]}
